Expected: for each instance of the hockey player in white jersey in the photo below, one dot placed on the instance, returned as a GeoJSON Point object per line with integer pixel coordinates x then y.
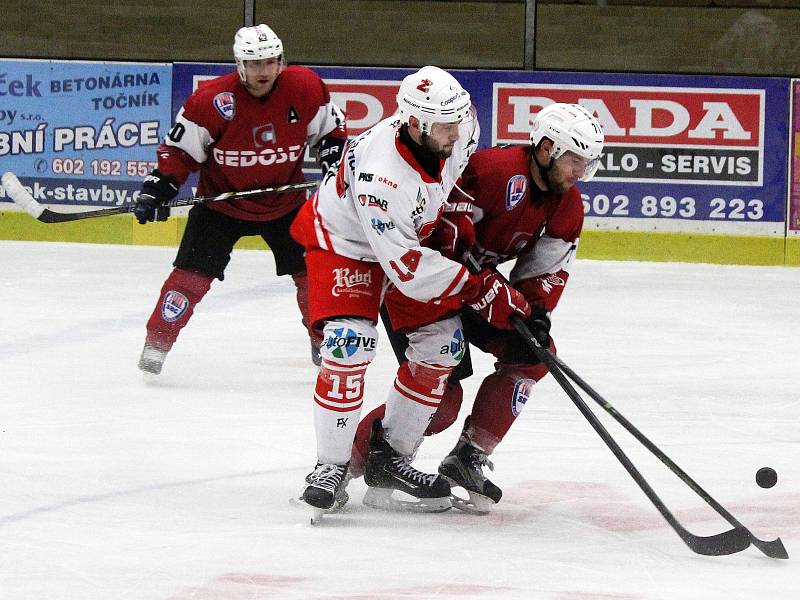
{"type": "Point", "coordinates": [364, 234]}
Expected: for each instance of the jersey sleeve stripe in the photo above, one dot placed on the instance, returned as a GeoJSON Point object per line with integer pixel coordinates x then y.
{"type": "Point", "coordinates": [193, 139]}
{"type": "Point", "coordinates": [323, 237]}
{"type": "Point", "coordinates": [328, 118]}
{"type": "Point", "coordinates": [458, 282]}
{"type": "Point", "coordinates": [550, 255]}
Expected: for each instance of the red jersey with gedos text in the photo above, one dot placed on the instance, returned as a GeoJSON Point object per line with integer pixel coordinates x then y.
{"type": "Point", "coordinates": [239, 142]}
{"type": "Point", "coordinates": [514, 219]}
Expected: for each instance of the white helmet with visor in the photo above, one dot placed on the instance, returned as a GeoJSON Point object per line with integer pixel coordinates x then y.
{"type": "Point", "coordinates": [432, 95]}
{"type": "Point", "coordinates": [571, 128]}
{"type": "Point", "coordinates": [255, 43]}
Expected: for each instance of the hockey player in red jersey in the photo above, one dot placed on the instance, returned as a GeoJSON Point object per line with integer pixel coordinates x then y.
{"type": "Point", "coordinates": [517, 202]}
{"type": "Point", "coordinates": [245, 130]}
{"type": "Point", "coordinates": [364, 229]}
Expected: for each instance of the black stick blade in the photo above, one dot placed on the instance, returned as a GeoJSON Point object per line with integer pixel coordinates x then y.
{"type": "Point", "coordinates": [772, 549]}
{"type": "Point", "coordinates": [49, 216]}
{"type": "Point", "coordinates": [728, 542]}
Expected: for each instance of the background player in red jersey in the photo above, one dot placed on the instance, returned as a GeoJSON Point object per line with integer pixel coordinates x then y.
{"type": "Point", "coordinates": [516, 202]}
{"type": "Point", "coordinates": [245, 130]}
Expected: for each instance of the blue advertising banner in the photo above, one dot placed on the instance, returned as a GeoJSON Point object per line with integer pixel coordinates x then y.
{"type": "Point", "coordinates": [683, 153]}
{"type": "Point", "coordinates": [82, 133]}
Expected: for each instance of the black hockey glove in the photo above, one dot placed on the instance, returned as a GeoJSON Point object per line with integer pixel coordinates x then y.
{"type": "Point", "coordinates": [539, 324]}
{"type": "Point", "coordinates": [329, 152]}
{"type": "Point", "coordinates": [157, 190]}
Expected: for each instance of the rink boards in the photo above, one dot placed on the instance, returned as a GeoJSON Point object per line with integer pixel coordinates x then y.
{"type": "Point", "coordinates": [695, 168]}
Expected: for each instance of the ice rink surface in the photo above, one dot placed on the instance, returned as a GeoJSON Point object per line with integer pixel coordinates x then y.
{"type": "Point", "coordinates": [115, 489]}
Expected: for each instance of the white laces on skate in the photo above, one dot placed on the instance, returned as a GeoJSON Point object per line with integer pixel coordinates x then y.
{"type": "Point", "coordinates": [482, 460]}
{"type": "Point", "coordinates": [404, 468]}
{"type": "Point", "coordinates": [327, 476]}
{"type": "Point", "coordinates": [477, 458]}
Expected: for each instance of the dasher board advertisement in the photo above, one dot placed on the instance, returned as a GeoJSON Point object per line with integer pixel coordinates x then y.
{"type": "Point", "coordinates": [82, 133]}
{"type": "Point", "coordinates": [682, 153]}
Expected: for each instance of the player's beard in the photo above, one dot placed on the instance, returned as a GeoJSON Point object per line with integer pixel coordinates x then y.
{"type": "Point", "coordinates": [442, 152]}
{"type": "Point", "coordinates": [260, 89]}
{"type": "Point", "coordinates": [556, 184]}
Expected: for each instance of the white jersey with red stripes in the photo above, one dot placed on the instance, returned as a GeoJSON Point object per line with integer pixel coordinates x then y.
{"type": "Point", "coordinates": [381, 205]}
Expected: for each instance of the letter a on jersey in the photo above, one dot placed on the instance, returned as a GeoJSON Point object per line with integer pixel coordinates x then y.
{"type": "Point", "coordinates": [293, 116]}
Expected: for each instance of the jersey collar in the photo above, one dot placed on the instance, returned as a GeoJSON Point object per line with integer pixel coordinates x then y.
{"type": "Point", "coordinates": [408, 156]}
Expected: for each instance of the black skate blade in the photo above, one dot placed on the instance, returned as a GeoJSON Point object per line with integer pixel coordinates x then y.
{"type": "Point", "coordinates": [381, 498]}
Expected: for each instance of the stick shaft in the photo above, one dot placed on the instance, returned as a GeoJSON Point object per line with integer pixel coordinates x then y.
{"type": "Point", "coordinates": [728, 542]}
{"type": "Point", "coordinates": [17, 192]}
{"type": "Point", "coordinates": [772, 548]}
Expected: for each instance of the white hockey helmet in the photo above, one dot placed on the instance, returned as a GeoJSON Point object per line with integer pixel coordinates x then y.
{"type": "Point", "coordinates": [571, 128]}
{"type": "Point", "coordinates": [432, 95]}
{"type": "Point", "coordinates": [255, 43]}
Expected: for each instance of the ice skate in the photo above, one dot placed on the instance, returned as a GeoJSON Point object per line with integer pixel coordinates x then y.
{"type": "Point", "coordinates": [325, 490]}
{"type": "Point", "coordinates": [463, 468]}
{"type": "Point", "coordinates": [152, 360]}
{"type": "Point", "coordinates": [388, 472]}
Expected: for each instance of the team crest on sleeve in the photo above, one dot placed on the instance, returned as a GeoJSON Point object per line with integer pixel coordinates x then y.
{"type": "Point", "coordinates": [174, 306]}
{"type": "Point", "coordinates": [516, 191]}
{"type": "Point", "coordinates": [225, 105]}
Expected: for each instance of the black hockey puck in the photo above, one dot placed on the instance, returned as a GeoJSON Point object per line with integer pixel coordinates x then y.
{"type": "Point", "coordinates": [766, 477]}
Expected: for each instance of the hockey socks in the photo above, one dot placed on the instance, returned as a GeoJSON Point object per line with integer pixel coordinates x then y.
{"type": "Point", "coordinates": [417, 392]}
{"type": "Point", "coordinates": [444, 416]}
{"type": "Point", "coordinates": [179, 295]}
{"type": "Point", "coordinates": [500, 400]}
{"type": "Point", "coordinates": [338, 398]}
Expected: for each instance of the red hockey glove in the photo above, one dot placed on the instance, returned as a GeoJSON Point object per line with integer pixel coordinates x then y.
{"type": "Point", "coordinates": [494, 300]}
{"type": "Point", "coordinates": [454, 233]}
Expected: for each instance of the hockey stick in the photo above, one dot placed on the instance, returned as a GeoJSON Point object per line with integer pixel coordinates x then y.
{"type": "Point", "coordinates": [773, 548]}
{"type": "Point", "coordinates": [21, 196]}
{"type": "Point", "coordinates": [728, 542]}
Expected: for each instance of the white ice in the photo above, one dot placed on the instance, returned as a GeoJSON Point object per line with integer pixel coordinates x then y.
{"type": "Point", "coordinates": [115, 489]}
